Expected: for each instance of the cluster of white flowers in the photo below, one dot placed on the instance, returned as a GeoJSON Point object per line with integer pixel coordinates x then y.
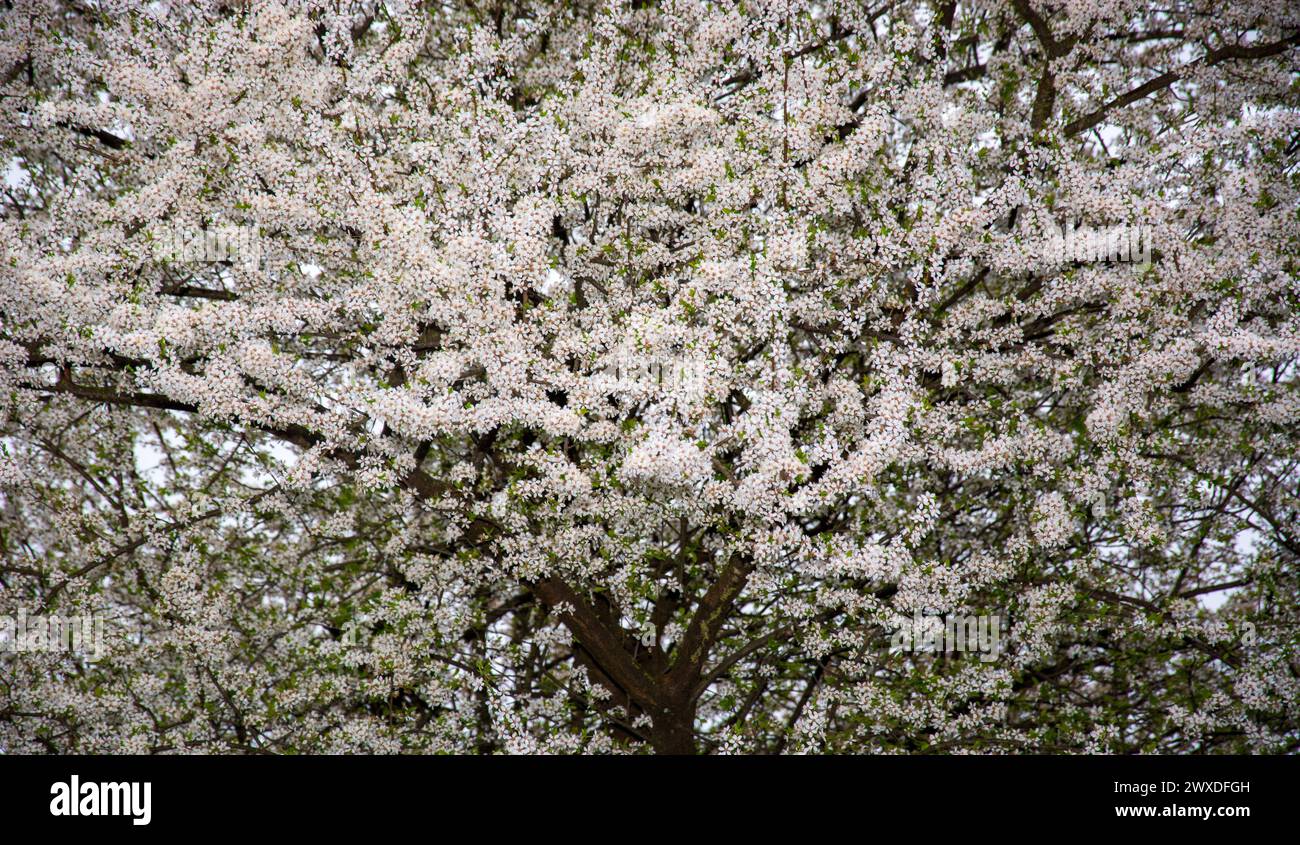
{"type": "Point", "coordinates": [631, 368]}
{"type": "Point", "coordinates": [1052, 523]}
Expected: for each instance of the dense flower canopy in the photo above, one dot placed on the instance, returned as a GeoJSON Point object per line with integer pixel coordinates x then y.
{"type": "Point", "coordinates": [596, 376]}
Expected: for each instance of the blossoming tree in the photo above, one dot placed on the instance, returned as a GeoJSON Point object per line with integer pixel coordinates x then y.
{"type": "Point", "coordinates": [372, 474]}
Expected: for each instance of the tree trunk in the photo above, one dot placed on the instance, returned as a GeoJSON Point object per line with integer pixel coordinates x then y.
{"type": "Point", "coordinates": [673, 733]}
